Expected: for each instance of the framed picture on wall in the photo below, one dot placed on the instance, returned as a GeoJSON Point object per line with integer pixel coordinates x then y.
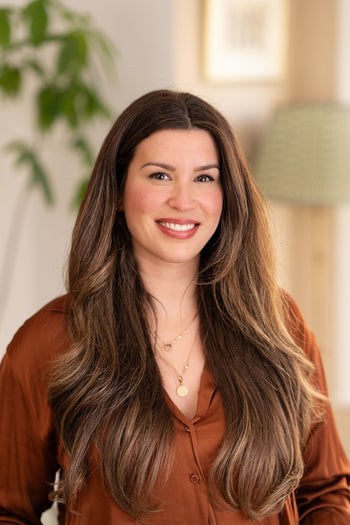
{"type": "Point", "coordinates": [245, 40]}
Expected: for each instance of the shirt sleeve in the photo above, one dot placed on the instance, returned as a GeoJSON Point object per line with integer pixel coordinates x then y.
{"type": "Point", "coordinates": [27, 440]}
{"type": "Point", "coordinates": [323, 496]}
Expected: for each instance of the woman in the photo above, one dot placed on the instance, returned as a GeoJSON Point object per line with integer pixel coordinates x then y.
{"type": "Point", "coordinates": [175, 383]}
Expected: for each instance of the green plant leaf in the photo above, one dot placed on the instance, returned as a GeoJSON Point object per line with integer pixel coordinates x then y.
{"type": "Point", "coordinates": [80, 192]}
{"type": "Point", "coordinates": [93, 104]}
{"type": "Point", "coordinates": [49, 102]}
{"type": "Point", "coordinates": [73, 55]}
{"type": "Point", "coordinates": [104, 47]}
{"type": "Point", "coordinates": [10, 80]}
{"type": "Point", "coordinates": [39, 177]}
{"type": "Point", "coordinates": [88, 102]}
{"type": "Point", "coordinates": [35, 66]}
{"type": "Point", "coordinates": [27, 157]}
{"type": "Point", "coordinates": [83, 147]}
{"type": "Point", "coordinates": [36, 15]}
{"type": "Point", "coordinates": [69, 105]}
{"type": "Point", "coordinates": [73, 17]}
{"type": "Point", "coordinates": [67, 89]}
{"type": "Point", "coordinates": [5, 28]}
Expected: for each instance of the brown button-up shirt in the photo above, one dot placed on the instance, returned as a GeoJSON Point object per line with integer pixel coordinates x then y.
{"type": "Point", "coordinates": [30, 453]}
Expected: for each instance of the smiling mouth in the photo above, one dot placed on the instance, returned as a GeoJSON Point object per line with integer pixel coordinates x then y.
{"type": "Point", "coordinates": [178, 227]}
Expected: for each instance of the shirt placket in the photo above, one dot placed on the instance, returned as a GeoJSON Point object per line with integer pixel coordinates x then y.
{"type": "Point", "coordinates": [195, 469]}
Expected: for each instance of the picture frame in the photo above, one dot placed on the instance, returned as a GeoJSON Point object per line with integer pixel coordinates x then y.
{"type": "Point", "coordinates": [245, 40]}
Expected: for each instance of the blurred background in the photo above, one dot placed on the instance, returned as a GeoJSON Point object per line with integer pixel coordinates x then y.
{"type": "Point", "coordinates": [249, 59]}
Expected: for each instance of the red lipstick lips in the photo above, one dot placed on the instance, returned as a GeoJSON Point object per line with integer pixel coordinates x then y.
{"type": "Point", "coordinates": [178, 228]}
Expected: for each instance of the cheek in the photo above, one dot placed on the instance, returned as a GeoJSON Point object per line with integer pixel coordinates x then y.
{"type": "Point", "coordinates": [139, 202]}
{"type": "Point", "coordinates": [214, 203]}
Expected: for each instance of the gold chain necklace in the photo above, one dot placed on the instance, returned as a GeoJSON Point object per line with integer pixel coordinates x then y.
{"type": "Point", "coordinates": [181, 390]}
{"type": "Point", "coordinates": [169, 346]}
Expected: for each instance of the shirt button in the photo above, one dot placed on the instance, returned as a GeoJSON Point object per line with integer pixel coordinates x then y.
{"type": "Point", "coordinates": [187, 429]}
{"type": "Point", "coordinates": [194, 478]}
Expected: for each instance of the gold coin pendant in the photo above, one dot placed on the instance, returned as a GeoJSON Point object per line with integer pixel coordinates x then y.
{"type": "Point", "coordinates": [182, 391]}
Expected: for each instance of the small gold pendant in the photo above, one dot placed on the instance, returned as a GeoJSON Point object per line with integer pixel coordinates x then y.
{"type": "Point", "coordinates": [182, 391]}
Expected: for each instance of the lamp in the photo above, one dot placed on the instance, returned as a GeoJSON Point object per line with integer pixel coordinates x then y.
{"type": "Point", "coordinates": [304, 156]}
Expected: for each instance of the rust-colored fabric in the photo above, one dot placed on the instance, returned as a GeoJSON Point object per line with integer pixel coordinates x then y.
{"type": "Point", "coordinates": [30, 453]}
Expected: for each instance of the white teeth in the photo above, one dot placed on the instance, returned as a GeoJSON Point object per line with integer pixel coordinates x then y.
{"type": "Point", "coordinates": [177, 227]}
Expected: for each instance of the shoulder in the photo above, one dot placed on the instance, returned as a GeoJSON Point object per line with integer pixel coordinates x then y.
{"type": "Point", "coordinates": [39, 340]}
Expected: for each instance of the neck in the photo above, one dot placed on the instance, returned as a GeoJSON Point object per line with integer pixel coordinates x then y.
{"type": "Point", "coordinates": [173, 287]}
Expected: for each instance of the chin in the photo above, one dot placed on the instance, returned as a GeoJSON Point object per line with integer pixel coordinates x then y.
{"type": "Point", "coordinates": [178, 259]}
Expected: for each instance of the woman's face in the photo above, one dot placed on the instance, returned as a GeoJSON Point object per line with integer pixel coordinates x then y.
{"type": "Point", "coordinates": [173, 196]}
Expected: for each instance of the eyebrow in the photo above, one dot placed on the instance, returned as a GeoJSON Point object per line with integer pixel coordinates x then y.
{"type": "Point", "coordinates": [172, 168]}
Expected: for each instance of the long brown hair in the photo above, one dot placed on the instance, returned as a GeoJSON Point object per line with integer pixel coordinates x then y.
{"type": "Point", "coordinates": [106, 391]}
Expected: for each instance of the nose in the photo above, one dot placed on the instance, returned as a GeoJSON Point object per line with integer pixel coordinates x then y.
{"type": "Point", "coordinates": [181, 197]}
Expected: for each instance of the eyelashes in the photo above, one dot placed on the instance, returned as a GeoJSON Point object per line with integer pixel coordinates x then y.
{"type": "Point", "coordinates": [205, 178]}
{"type": "Point", "coordinates": [159, 175]}
{"type": "Point", "coordinates": [164, 176]}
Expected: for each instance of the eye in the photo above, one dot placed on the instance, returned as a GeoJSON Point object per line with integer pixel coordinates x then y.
{"type": "Point", "coordinates": [204, 178]}
{"type": "Point", "coordinates": [159, 176]}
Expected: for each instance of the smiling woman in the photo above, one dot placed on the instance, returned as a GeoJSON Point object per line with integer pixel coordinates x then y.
{"type": "Point", "coordinates": [175, 382]}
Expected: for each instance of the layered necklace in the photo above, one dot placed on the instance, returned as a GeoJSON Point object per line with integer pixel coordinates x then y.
{"type": "Point", "coordinates": [166, 347]}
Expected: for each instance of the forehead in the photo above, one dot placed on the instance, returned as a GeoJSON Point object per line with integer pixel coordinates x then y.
{"type": "Point", "coordinates": [178, 144]}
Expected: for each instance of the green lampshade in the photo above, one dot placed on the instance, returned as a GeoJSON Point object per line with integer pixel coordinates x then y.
{"type": "Point", "coordinates": [304, 156]}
